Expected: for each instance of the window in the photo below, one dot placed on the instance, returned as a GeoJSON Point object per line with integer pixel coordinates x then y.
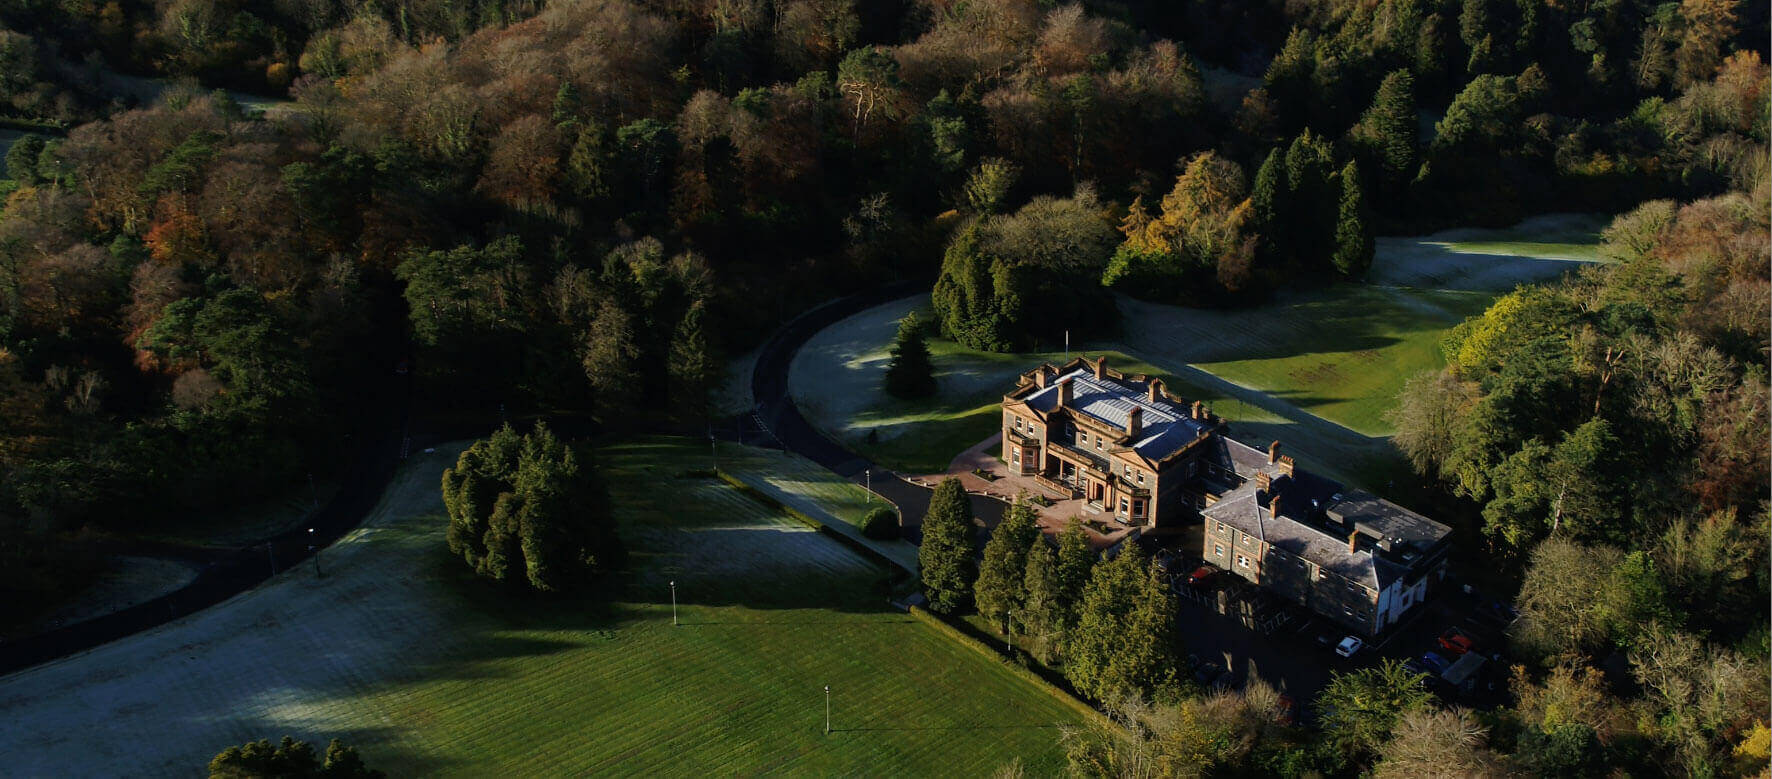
{"type": "Point", "coordinates": [1126, 471]}
{"type": "Point", "coordinates": [1218, 550]}
{"type": "Point", "coordinates": [1098, 443]}
{"type": "Point", "coordinates": [1018, 423]}
{"type": "Point", "coordinates": [1141, 478]}
{"type": "Point", "coordinates": [1242, 562]}
{"type": "Point", "coordinates": [1084, 437]}
{"type": "Point", "coordinates": [1015, 454]}
{"type": "Point", "coordinates": [1124, 508]}
{"type": "Point", "coordinates": [1137, 507]}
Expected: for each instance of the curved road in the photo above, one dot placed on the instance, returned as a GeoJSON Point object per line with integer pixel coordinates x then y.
{"type": "Point", "coordinates": [782, 420]}
{"type": "Point", "coordinates": [226, 573]}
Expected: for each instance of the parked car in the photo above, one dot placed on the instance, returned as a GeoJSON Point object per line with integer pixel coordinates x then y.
{"type": "Point", "coordinates": [1349, 646]}
{"type": "Point", "coordinates": [1202, 575]}
{"type": "Point", "coordinates": [1436, 663]}
{"type": "Point", "coordinates": [1456, 641]}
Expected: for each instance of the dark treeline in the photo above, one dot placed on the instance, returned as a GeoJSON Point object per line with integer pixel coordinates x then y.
{"type": "Point", "coordinates": [581, 208]}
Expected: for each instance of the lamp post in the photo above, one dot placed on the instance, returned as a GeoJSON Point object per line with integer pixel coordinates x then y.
{"type": "Point", "coordinates": [673, 603]}
{"type": "Point", "coordinates": [827, 709]}
{"type": "Point", "coordinates": [315, 549]}
{"type": "Point", "coordinates": [1009, 631]}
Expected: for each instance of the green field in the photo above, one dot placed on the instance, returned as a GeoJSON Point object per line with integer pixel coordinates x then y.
{"type": "Point", "coordinates": [837, 377]}
{"type": "Point", "coordinates": [432, 672]}
{"type": "Point", "coordinates": [1350, 350]}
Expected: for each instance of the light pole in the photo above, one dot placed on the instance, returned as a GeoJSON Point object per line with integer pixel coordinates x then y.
{"type": "Point", "coordinates": [713, 448]}
{"type": "Point", "coordinates": [1009, 632]}
{"type": "Point", "coordinates": [673, 603]}
{"type": "Point", "coordinates": [827, 709]}
{"type": "Point", "coordinates": [315, 549]}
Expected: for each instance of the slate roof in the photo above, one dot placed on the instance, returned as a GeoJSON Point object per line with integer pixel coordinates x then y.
{"type": "Point", "coordinates": [1164, 426]}
{"type": "Point", "coordinates": [1395, 537]}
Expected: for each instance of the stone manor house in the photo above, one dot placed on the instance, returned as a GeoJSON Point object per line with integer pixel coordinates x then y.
{"type": "Point", "coordinates": [1145, 458]}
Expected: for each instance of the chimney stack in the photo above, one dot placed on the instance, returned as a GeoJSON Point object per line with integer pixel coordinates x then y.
{"type": "Point", "coordinates": [1353, 542]}
{"type": "Point", "coordinates": [1195, 412]}
{"type": "Point", "coordinates": [1286, 466]}
{"type": "Point", "coordinates": [1273, 453]}
{"type": "Point", "coordinates": [1064, 392]}
{"type": "Point", "coordinates": [1101, 367]}
{"type": "Point", "coordinates": [1040, 377]}
{"type": "Point", "coordinates": [1156, 390]}
{"type": "Point", "coordinates": [1263, 480]}
{"type": "Point", "coordinates": [1134, 422]}
{"type": "Point", "coordinates": [1273, 505]}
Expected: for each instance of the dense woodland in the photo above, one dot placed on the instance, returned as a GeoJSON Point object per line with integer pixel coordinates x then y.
{"type": "Point", "coordinates": [580, 208]}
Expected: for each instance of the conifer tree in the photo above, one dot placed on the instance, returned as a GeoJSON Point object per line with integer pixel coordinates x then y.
{"type": "Point", "coordinates": [1043, 615]}
{"type": "Point", "coordinates": [1388, 135]}
{"type": "Point", "coordinates": [1002, 579]}
{"type": "Point", "coordinates": [1353, 233]}
{"type": "Point", "coordinates": [1266, 205]}
{"type": "Point", "coordinates": [1124, 643]}
{"type": "Point", "coordinates": [1076, 559]}
{"type": "Point", "coordinates": [910, 374]}
{"type": "Point", "coordinates": [1310, 201]}
{"type": "Point", "coordinates": [945, 555]}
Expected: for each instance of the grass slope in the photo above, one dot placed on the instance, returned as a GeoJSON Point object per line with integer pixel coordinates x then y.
{"type": "Point", "coordinates": [395, 649]}
{"type": "Point", "coordinates": [803, 485]}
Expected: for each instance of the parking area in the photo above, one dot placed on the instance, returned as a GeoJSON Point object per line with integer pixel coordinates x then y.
{"type": "Point", "coordinates": [1234, 631]}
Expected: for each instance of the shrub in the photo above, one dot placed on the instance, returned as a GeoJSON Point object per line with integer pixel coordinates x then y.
{"type": "Point", "coordinates": [881, 524]}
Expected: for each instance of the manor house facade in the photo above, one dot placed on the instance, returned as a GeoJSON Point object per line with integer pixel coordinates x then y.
{"type": "Point", "coordinates": [1145, 458]}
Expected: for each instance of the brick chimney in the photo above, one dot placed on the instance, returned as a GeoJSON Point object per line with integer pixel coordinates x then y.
{"type": "Point", "coordinates": [1195, 412]}
{"type": "Point", "coordinates": [1156, 390]}
{"type": "Point", "coordinates": [1353, 542]}
{"type": "Point", "coordinates": [1101, 367]}
{"type": "Point", "coordinates": [1064, 392]}
{"type": "Point", "coordinates": [1273, 505]}
{"type": "Point", "coordinates": [1286, 465]}
{"type": "Point", "coordinates": [1040, 377]}
{"type": "Point", "coordinates": [1263, 480]}
{"type": "Point", "coordinates": [1134, 422]}
{"type": "Point", "coordinates": [1273, 453]}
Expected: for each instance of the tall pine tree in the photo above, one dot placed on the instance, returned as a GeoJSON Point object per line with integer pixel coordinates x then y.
{"type": "Point", "coordinates": [1043, 615]}
{"type": "Point", "coordinates": [1002, 579]}
{"type": "Point", "coordinates": [945, 555]}
{"type": "Point", "coordinates": [1267, 201]}
{"type": "Point", "coordinates": [910, 374]}
{"type": "Point", "coordinates": [1310, 201]}
{"type": "Point", "coordinates": [1387, 136]}
{"type": "Point", "coordinates": [1353, 231]}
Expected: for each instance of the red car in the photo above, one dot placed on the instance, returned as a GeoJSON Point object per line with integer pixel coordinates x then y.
{"type": "Point", "coordinates": [1202, 574]}
{"type": "Point", "coordinates": [1456, 642]}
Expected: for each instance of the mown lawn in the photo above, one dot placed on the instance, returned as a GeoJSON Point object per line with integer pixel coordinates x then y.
{"type": "Point", "coordinates": [1350, 349]}
{"type": "Point", "coordinates": [837, 382]}
{"type": "Point", "coordinates": [431, 672]}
